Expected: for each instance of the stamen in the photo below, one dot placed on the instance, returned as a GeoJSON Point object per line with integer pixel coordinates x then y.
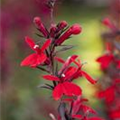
{"type": "Point", "coordinates": [52, 116]}
{"type": "Point", "coordinates": [63, 75]}
{"type": "Point", "coordinates": [36, 46]}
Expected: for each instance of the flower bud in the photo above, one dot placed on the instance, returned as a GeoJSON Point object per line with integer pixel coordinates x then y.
{"type": "Point", "coordinates": [40, 26]}
{"type": "Point", "coordinates": [76, 29]}
{"type": "Point", "coordinates": [108, 23]}
{"type": "Point", "coordinates": [37, 21]}
{"type": "Point", "coordinates": [62, 25]}
{"type": "Point", "coordinates": [53, 30]}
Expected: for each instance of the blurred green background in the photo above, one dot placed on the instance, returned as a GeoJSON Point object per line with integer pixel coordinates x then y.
{"type": "Point", "coordinates": [21, 99]}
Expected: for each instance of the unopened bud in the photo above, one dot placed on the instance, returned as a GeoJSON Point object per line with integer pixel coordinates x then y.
{"type": "Point", "coordinates": [76, 29]}
{"type": "Point", "coordinates": [108, 23]}
{"type": "Point", "coordinates": [41, 26]}
{"type": "Point", "coordinates": [37, 20]}
{"type": "Point", "coordinates": [62, 25]}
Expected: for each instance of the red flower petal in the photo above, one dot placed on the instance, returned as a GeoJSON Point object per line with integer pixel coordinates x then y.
{"type": "Point", "coordinates": [108, 94]}
{"type": "Point", "coordinates": [77, 116]}
{"type": "Point", "coordinates": [89, 78]}
{"type": "Point", "coordinates": [59, 59]}
{"type": "Point", "coordinates": [40, 59]}
{"type": "Point", "coordinates": [30, 42]}
{"type": "Point", "coordinates": [66, 88]}
{"type": "Point", "coordinates": [33, 60]}
{"type": "Point", "coordinates": [45, 45]}
{"type": "Point", "coordinates": [71, 89]}
{"type": "Point", "coordinates": [105, 60]}
{"type": "Point", "coordinates": [69, 72]}
{"type": "Point", "coordinates": [51, 78]}
{"type": "Point", "coordinates": [68, 62]}
{"type": "Point", "coordinates": [115, 114]}
{"type": "Point", "coordinates": [58, 92]}
{"type": "Point", "coordinates": [88, 109]}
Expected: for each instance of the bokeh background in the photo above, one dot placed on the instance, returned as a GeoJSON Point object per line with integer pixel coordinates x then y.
{"type": "Point", "coordinates": [20, 97]}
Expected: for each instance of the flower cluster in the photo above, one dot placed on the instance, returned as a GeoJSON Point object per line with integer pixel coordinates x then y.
{"type": "Point", "coordinates": [110, 65]}
{"type": "Point", "coordinates": [45, 58]}
{"type": "Point", "coordinates": [75, 109]}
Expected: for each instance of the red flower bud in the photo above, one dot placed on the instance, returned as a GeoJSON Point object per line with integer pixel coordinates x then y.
{"type": "Point", "coordinates": [62, 25]}
{"type": "Point", "coordinates": [53, 30]}
{"type": "Point", "coordinates": [37, 21]}
{"type": "Point", "coordinates": [108, 23]}
{"type": "Point", "coordinates": [40, 26]}
{"type": "Point", "coordinates": [75, 29]}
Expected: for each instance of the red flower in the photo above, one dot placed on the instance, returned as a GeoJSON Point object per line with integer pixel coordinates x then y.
{"type": "Point", "coordinates": [63, 87]}
{"type": "Point", "coordinates": [38, 57]}
{"type": "Point", "coordinates": [115, 114]}
{"type": "Point", "coordinates": [71, 72]}
{"type": "Point", "coordinates": [77, 107]}
{"type": "Point", "coordinates": [108, 94]}
{"type": "Point", "coordinates": [105, 60]}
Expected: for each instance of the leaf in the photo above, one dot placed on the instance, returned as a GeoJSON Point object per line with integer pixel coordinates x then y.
{"type": "Point", "coordinates": [45, 86]}
{"type": "Point", "coordinates": [51, 78]}
{"type": "Point", "coordinates": [39, 35]}
{"type": "Point", "coordinates": [64, 49]}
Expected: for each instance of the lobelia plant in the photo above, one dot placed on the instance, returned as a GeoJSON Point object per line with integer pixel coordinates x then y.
{"type": "Point", "coordinates": [71, 104]}
{"type": "Point", "coordinates": [110, 66]}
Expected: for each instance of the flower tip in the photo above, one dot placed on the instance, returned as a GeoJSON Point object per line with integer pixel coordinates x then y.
{"type": "Point", "coordinates": [21, 64]}
{"type": "Point", "coordinates": [63, 24]}
{"type": "Point", "coordinates": [106, 21]}
{"type": "Point", "coordinates": [76, 29]}
{"type": "Point", "coordinates": [37, 20]}
{"type": "Point", "coordinates": [26, 38]}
